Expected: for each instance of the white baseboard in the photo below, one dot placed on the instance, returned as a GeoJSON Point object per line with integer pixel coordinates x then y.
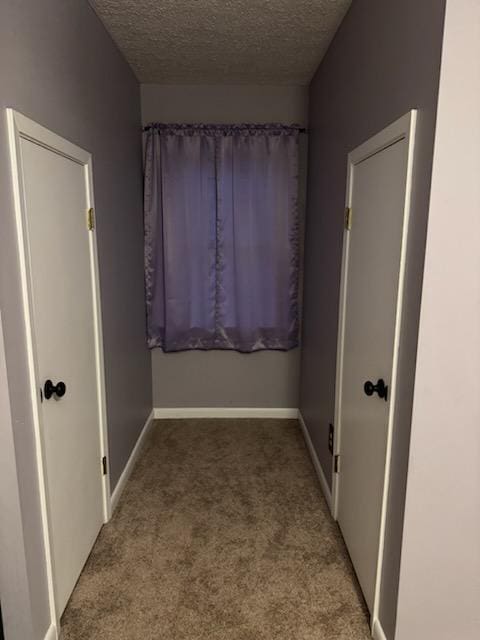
{"type": "Point", "coordinates": [51, 633]}
{"type": "Point", "coordinates": [377, 631]}
{"type": "Point", "coordinates": [122, 481]}
{"type": "Point", "coordinates": [318, 468]}
{"type": "Point", "coordinates": [224, 412]}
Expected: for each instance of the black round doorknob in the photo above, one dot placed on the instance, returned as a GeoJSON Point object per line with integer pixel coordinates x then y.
{"type": "Point", "coordinates": [58, 389]}
{"type": "Point", "coordinates": [381, 388]}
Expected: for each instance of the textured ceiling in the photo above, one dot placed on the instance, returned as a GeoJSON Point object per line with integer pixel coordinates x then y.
{"type": "Point", "coordinates": [222, 41]}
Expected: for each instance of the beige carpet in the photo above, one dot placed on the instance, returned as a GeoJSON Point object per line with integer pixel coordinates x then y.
{"type": "Point", "coordinates": [221, 534]}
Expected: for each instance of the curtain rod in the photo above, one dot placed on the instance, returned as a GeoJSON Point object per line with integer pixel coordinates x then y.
{"type": "Point", "coordinates": [154, 125]}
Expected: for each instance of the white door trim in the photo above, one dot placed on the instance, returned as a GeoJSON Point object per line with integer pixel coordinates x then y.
{"type": "Point", "coordinates": [20, 127]}
{"type": "Point", "coordinates": [52, 633]}
{"type": "Point", "coordinates": [377, 631]}
{"type": "Point", "coordinates": [403, 128]}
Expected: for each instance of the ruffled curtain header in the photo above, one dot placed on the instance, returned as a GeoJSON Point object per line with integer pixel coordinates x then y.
{"type": "Point", "coordinates": [222, 130]}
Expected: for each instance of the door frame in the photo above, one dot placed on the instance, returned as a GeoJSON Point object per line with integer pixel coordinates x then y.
{"type": "Point", "coordinates": [20, 127]}
{"type": "Point", "coordinates": [401, 129]}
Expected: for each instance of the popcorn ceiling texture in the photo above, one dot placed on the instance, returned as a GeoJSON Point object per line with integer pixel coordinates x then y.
{"type": "Point", "coordinates": [222, 41]}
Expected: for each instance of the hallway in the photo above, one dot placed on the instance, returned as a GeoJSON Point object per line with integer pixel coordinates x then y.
{"type": "Point", "coordinates": [221, 533]}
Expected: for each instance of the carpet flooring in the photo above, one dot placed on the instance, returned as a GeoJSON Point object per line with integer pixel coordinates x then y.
{"type": "Point", "coordinates": [221, 534]}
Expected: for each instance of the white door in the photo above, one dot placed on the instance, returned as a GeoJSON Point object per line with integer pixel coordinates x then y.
{"type": "Point", "coordinates": [378, 194]}
{"type": "Point", "coordinates": [62, 294]}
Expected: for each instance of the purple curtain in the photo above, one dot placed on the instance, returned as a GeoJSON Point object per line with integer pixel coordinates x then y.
{"type": "Point", "coordinates": [221, 236]}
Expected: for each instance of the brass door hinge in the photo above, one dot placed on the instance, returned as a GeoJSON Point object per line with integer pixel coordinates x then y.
{"type": "Point", "coordinates": [90, 219]}
{"type": "Point", "coordinates": [348, 218]}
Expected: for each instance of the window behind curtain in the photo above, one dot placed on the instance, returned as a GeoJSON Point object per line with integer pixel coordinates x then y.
{"type": "Point", "coordinates": [222, 237]}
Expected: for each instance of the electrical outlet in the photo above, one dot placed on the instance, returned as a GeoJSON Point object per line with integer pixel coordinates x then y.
{"type": "Point", "coordinates": [330, 438]}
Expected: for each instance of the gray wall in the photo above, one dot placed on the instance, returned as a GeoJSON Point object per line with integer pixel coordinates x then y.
{"type": "Point", "coordinates": [12, 556]}
{"type": "Point", "coordinates": [439, 593]}
{"type": "Point", "coordinates": [383, 61]}
{"type": "Point", "coordinates": [59, 67]}
{"type": "Point", "coordinates": [225, 378]}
